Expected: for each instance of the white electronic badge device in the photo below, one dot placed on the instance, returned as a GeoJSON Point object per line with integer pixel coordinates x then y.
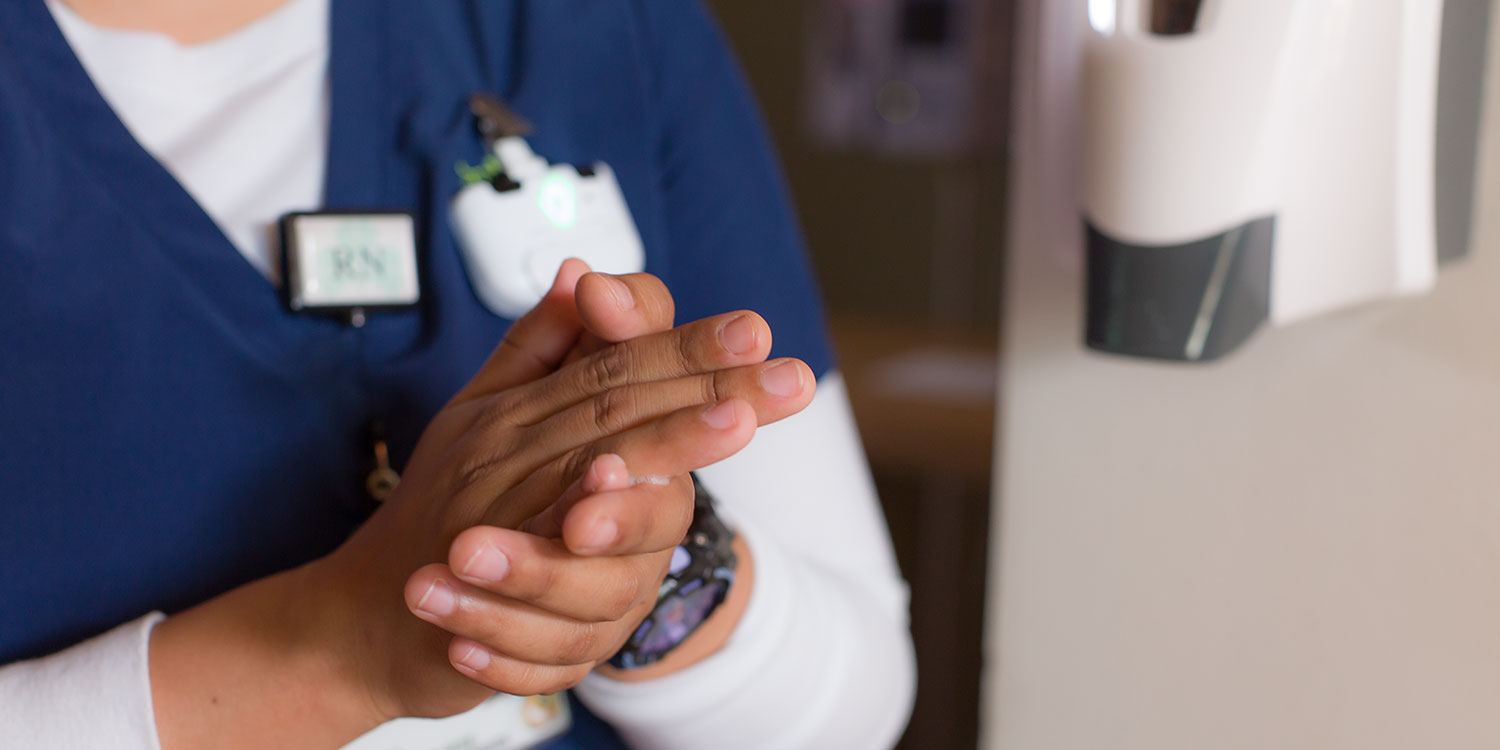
{"type": "Point", "coordinates": [519, 217]}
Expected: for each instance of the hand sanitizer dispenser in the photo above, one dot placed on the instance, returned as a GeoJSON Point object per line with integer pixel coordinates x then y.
{"type": "Point", "coordinates": [1247, 161]}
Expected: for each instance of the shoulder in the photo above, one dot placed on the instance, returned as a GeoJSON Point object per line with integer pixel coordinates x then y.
{"type": "Point", "coordinates": [664, 19]}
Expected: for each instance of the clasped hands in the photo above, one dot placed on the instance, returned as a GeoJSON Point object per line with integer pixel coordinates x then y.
{"type": "Point", "coordinates": [535, 520]}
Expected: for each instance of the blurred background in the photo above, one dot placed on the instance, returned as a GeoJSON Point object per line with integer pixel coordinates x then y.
{"type": "Point", "coordinates": [890, 119]}
{"type": "Point", "coordinates": [1294, 547]}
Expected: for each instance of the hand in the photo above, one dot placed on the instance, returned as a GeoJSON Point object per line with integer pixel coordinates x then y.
{"type": "Point", "coordinates": [315, 656]}
{"type": "Point", "coordinates": [532, 614]}
{"type": "Point", "coordinates": [506, 448]}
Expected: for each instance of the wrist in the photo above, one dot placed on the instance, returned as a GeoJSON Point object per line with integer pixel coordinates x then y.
{"type": "Point", "coordinates": [333, 637]}
{"type": "Point", "coordinates": [270, 648]}
{"type": "Point", "coordinates": [711, 636]}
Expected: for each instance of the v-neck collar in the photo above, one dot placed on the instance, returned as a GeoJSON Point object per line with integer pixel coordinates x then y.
{"type": "Point", "coordinates": [75, 110]}
{"type": "Point", "coordinates": [137, 59]}
{"type": "Point", "coordinates": [371, 88]}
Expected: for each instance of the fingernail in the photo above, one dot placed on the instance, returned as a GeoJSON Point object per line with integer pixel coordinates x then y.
{"type": "Point", "coordinates": [486, 565]}
{"type": "Point", "coordinates": [618, 289]}
{"type": "Point", "coordinates": [738, 335]}
{"type": "Point", "coordinates": [599, 536]}
{"type": "Point", "coordinates": [782, 379]}
{"type": "Point", "coordinates": [475, 658]}
{"type": "Point", "coordinates": [721, 416]}
{"type": "Point", "coordinates": [608, 472]}
{"type": "Point", "coordinates": [437, 601]}
{"type": "Point", "coordinates": [567, 276]}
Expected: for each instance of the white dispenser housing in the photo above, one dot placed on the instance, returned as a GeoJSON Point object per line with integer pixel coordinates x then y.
{"type": "Point", "coordinates": [1251, 160]}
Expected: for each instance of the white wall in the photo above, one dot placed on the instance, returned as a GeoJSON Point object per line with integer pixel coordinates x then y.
{"type": "Point", "coordinates": [1297, 548]}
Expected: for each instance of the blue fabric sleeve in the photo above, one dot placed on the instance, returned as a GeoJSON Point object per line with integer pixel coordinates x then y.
{"type": "Point", "coordinates": [733, 238]}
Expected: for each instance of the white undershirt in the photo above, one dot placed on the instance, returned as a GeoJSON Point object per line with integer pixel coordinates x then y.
{"type": "Point", "coordinates": [240, 121]}
{"type": "Point", "coordinates": [822, 657]}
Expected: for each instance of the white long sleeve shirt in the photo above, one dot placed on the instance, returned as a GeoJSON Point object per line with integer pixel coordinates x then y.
{"type": "Point", "coordinates": [822, 657]}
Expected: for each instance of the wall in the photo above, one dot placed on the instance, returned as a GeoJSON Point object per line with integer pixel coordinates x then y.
{"type": "Point", "coordinates": [906, 250]}
{"type": "Point", "coordinates": [872, 222]}
{"type": "Point", "coordinates": [1297, 548]}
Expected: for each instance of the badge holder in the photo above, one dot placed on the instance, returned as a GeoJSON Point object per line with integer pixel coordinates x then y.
{"type": "Point", "coordinates": [347, 263]}
{"type": "Point", "coordinates": [518, 217]}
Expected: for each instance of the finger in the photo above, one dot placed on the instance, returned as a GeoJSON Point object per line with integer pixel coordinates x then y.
{"type": "Point", "coordinates": [651, 516]}
{"type": "Point", "coordinates": [537, 343]}
{"type": "Point", "coordinates": [619, 308]}
{"type": "Point", "coordinates": [608, 473]}
{"type": "Point", "coordinates": [510, 627]}
{"type": "Point", "coordinates": [604, 322]}
{"type": "Point", "coordinates": [645, 518]}
{"type": "Point", "coordinates": [683, 441]}
{"type": "Point", "coordinates": [776, 390]}
{"type": "Point", "coordinates": [729, 340]}
{"type": "Point", "coordinates": [507, 675]}
{"type": "Point", "coordinates": [544, 574]}
{"type": "Point", "coordinates": [588, 343]}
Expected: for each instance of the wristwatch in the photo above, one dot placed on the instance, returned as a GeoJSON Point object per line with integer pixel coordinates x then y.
{"type": "Point", "coordinates": [701, 572]}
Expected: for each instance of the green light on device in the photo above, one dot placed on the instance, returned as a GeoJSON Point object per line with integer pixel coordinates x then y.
{"type": "Point", "coordinates": [558, 199]}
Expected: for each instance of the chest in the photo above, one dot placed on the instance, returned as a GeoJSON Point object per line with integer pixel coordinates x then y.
{"type": "Point", "coordinates": [163, 417]}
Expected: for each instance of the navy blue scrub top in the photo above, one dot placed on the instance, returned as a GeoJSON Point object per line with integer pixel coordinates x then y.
{"type": "Point", "coordinates": [170, 431]}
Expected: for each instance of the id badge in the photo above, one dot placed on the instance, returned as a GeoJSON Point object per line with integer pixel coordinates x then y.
{"type": "Point", "coordinates": [349, 262]}
{"type": "Point", "coordinates": [519, 218]}
{"type": "Point", "coordinates": [504, 722]}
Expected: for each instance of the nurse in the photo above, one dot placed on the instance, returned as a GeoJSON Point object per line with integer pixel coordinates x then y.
{"type": "Point", "coordinates": [177, 440]}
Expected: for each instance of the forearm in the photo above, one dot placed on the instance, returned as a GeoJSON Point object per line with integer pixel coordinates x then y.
{"type": "Point", "coordinates": [824, 637]}
{"type": "Point", "coordinates": [259, 666]}
{"type": "Point", "coordinates": [813, 661]}
{"type": "Point", "coordinates": [711, 636]}
{"type": "Point", "coordinates": [246, 669]}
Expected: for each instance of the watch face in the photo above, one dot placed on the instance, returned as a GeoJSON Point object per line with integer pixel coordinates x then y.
{"type": "Point", "coordinates": [681, 558]}
{"type": "Point", "coordinates": [679, 616]}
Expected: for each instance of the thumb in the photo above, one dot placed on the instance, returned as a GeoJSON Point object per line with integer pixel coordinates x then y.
{"type": "Point", "coordinates": [619, 308]}
{"type": "Point", "coordinates": [537, 343]}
